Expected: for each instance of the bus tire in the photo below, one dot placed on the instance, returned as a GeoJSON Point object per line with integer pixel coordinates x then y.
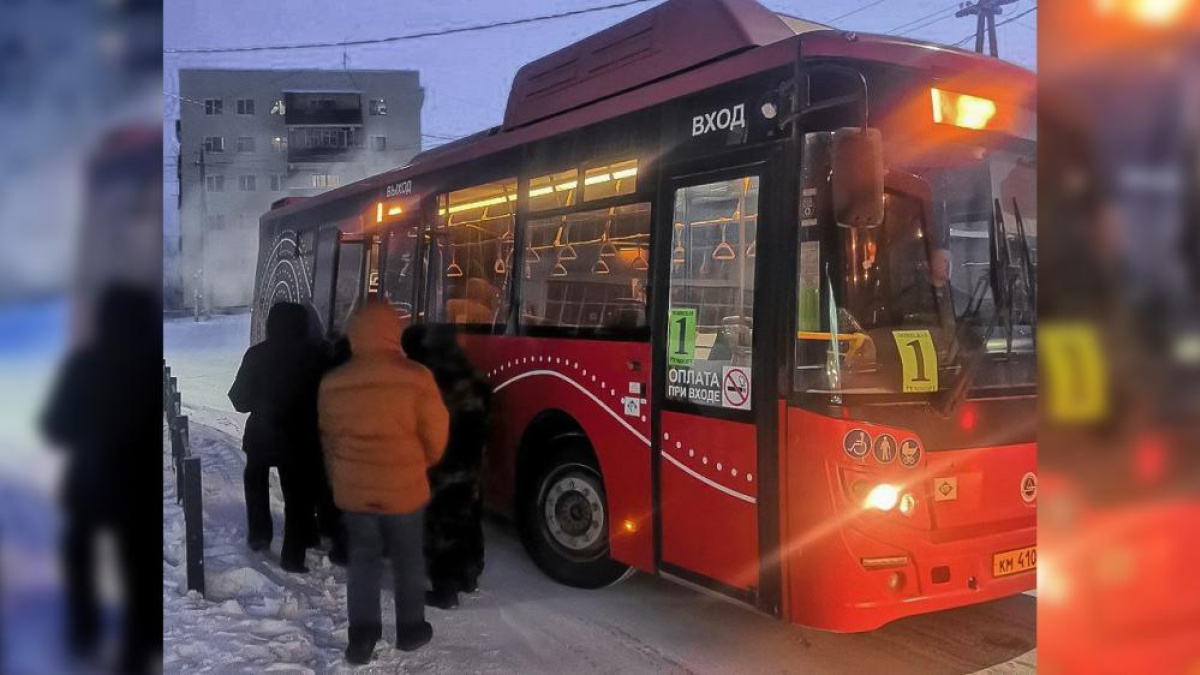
{"type": "Point", "coordinates": [565, 518]}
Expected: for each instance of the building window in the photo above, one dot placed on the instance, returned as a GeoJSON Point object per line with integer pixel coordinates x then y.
{"type": "Point", "coordinates": [278, 143]}
{"type": "Point", "coordinates": [377, 106]}
{"type": "Point", "coordinates": [324, 138]}
{"type": "Point", "coordinates": [278, 107]}
{"type": "Point", "coordinates": [471, 260]}
{"type": "Point", "coordinates": [216, 222]}
{"type": "Point", "coordinates": [215, 183]}
{"type": "Point", "coordinates": [325, 180]}
{"type": "Point", "coordinates": [214, 143]}
{"type": "Point", "coordinates": [245, 106]}
{"type": "Point", "coordinates": [213, 106]}
{"type": "Point", "coordinates": [379, 143]}
{"type": "Point", "coordinates": [247, 183]}
{"type": "Point", "coordinates": [587, 270]}
{"type": "Point", "coordinates": [278, 182]}
{"type": "Point", "coordinates": [245, 144]}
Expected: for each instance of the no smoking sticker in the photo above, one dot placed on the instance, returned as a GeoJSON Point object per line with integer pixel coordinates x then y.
{"type": "Point", "coordinates": [735, 387]}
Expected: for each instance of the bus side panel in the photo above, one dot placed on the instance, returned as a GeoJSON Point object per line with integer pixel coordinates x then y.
{"type": "Point", "coordinates": [939, 557]}
{"type": "Point", "coordinates": [604, 386]}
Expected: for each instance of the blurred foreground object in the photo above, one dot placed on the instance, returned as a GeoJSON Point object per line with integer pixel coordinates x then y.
{"type": "Point", "coordinates": [88, 416]}
{"type": "Point", "coordinates": [1120, 432]}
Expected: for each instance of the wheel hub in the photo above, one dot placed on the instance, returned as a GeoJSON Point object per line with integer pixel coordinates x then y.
{"type": "Point", "coordinates": [574, 513]}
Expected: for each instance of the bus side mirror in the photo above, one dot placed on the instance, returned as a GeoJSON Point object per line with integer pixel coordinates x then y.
{"type": "Point", "coordinates": [857, 159]}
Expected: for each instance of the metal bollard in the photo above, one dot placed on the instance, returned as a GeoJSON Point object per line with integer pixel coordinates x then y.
{"type": "Point", "coordinates": [180, 450]}
{"type": "Point", "coordinates": [193, 517]}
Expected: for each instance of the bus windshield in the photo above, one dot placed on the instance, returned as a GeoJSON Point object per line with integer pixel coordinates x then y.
{"type": "Point", "coordinates": [942, 291]}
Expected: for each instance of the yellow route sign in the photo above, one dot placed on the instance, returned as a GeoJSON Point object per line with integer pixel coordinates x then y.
{"type": "Point", "coordinates": [918, 360]}
{"type": "Point", "coordinates": [1075, 374]}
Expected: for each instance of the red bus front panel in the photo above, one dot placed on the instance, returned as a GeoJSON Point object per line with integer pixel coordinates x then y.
{"type": "Point", "coordinates": [855, 569]}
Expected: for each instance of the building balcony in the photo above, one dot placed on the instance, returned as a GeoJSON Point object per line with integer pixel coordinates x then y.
{"type": "Point", "coordinates": [322, 108]}
{"type": "Point", "coordinates": [340, 154]}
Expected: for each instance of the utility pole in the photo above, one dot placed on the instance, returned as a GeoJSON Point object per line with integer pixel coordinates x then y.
{"type": "Point", "coordinates": [198, 290]}
{"type": "Point", "coordinates": [985, 12]}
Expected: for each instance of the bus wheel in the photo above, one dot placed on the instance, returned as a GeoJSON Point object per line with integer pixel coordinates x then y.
{"type": "Point", "coordinates": [566, 520]}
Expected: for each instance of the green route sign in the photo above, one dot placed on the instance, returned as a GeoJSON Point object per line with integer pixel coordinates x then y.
{"type": "Point", "coordinates": [681, 337]}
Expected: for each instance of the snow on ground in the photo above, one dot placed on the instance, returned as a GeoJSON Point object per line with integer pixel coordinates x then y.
{"type": "Point", "coordinates": [257, 618]}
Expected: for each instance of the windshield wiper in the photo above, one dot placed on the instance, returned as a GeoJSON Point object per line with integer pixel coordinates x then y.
{"type": "Point", "coordinates": [1027, 260]}
{"type": "Point", "coordinates": [1000, 280]}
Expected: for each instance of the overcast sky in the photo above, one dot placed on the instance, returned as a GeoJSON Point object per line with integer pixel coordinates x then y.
{"type": "Point", "coordinates": [467, 76]}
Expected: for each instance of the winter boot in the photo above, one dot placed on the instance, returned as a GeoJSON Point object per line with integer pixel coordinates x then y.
{"type": "Point", "coordinates": [258, 544]}
{"type": "Point", "coordinates": [442, 598]}
{"type": "Point", "coordinates": [362, 642]}
{"type": "Point", "coordinates": [414, 636]}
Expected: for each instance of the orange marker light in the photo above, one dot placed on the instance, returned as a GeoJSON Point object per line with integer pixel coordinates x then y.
{"type": "Point", "coordinates": [962, 110]}
{"type": "Point", "coordinates": [629, 526]}
{"type": "Point", "coordinates": [379, 212]}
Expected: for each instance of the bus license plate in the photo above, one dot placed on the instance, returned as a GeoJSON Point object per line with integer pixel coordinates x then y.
{"type": "Point", "coordinates": [1014, 562]}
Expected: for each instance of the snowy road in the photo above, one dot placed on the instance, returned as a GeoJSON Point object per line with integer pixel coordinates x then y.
{"type": "Point", "coordinates": [258, 618]}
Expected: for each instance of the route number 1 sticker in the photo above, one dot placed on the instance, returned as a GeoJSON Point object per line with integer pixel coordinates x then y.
{"type": "Point", "coordinates": [918, 360]}
{"type": "Point", "coordinates": [681, 336]}
{"type": "Point", "coordinates": [1075, 372]}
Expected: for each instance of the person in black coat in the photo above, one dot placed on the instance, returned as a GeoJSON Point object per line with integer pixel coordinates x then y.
{"type": "Point", "coordinates": [454, 516]}
{"type": "Point", "coordinates": [334, 352]}
{"type": "Point", "coordinates": [104, 413]}
{"type": "Point", "coordinates": [277, 384]}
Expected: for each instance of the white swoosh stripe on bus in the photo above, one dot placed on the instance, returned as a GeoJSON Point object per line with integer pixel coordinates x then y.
{"type": "Point", "coordinates": [551, 373]}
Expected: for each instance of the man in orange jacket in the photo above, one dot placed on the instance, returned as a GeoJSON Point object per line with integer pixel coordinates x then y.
{"type": "Point", "coordinates": [383, 425]}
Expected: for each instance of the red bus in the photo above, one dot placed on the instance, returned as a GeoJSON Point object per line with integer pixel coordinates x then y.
{"type": "Point", "coordinates": [756, 300]}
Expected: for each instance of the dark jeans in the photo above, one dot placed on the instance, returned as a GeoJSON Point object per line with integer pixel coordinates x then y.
{"type": "Point", "coordinates": [366, 534]}
{"type": "Point", "coordinates": [454, 537]}
{"type": "Point", "coordinates": [299, 524]}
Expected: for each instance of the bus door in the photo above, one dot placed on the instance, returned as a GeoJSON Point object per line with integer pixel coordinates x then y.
{"type": "Point", "coordinates": [350, 279]}
{"type": "Point", "coordinates": [324, 274]}
{"type": "Point", "coordinates": [705, 373]}
{"type": "Point", "coordinates": [399, 264]}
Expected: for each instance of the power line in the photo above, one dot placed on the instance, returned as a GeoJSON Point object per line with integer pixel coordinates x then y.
{"type": "Point", "coordinates": [919, 19]}
{"type": "Point", "coordinates": [852, 12]}
{"type": "Point", "coordinates": [400, 38]}
{"type": "Point", "coordinates": [927, 24]}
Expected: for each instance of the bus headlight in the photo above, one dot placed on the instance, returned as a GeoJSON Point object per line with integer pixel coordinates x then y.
{"type": "Point", "coordinates": [882, 497]}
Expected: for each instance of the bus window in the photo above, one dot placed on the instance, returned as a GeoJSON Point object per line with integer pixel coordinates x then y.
{"type": "Point", "coordinates": [553, 191]}
{"type": "Point", "coordinates": [472, 254]}
{"type": "Point", "coordinates": [587, 270]}
{"type": "Point", "coordinates": [349, 283]}
{"type": "Point", "coordinates": [400, 245]}
{"type": "Point", "coordinates": [610, 180]}
{"type": "Point", "coordinates": [323, 271]}
{"type": "Point", "coordinates": [712, 283]}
